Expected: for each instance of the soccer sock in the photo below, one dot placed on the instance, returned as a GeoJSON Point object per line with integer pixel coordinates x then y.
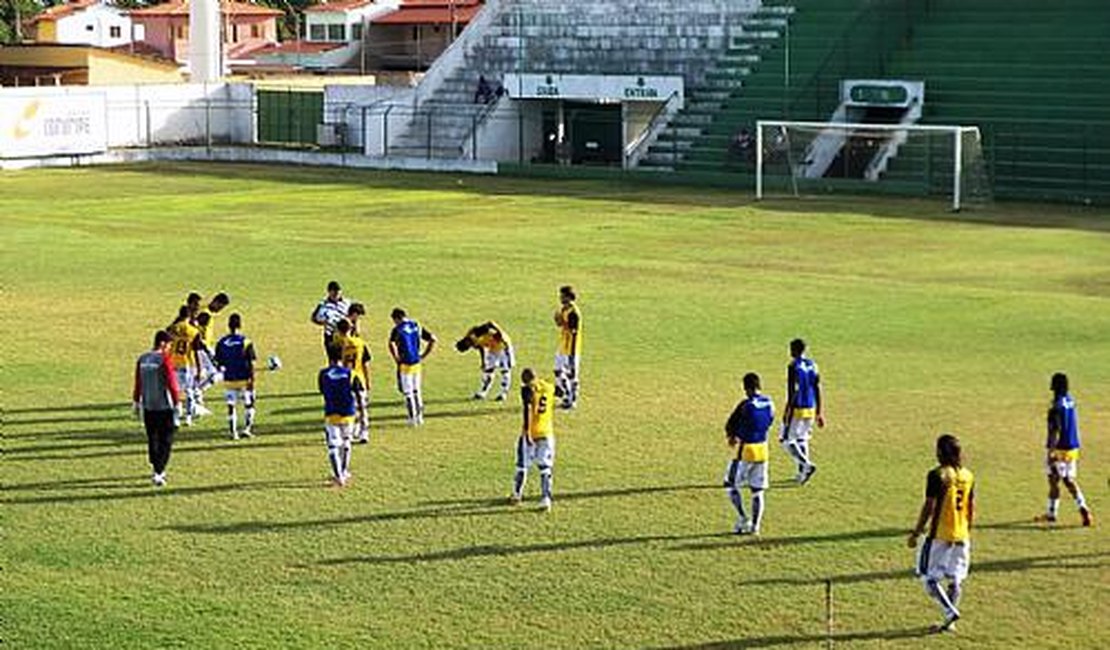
{"type": "Point", "coordinates": [1053, 507]}
{"type": "Point", "coordinates": [487, 380]}
{"type": "Point", "coordinates": [545, 482]}
{"type": "Point", "coordinates": [231, 418]}
{"type": "Point", "coordinates": [757, 509]}
{"type": "Point", "coordinates": [419, 400]}
{"type": "Point", "coordinates": [938, 594]}
{"type": "Point", "coordinates": [795, 450]}
{"type": "Point", "coordinates": [574, 391]}
{"type": "Point", "coordinates": [345, 458]}
{"type": "Point", "coordinates": [1080, 502]}
{"type": "Point", "coordinates": [335, 461]}
{"type": "Point", "coordinates": [518, 481]}
{"type": "Point", "coordinates": [803, 445]}
{"type": "Point", "coordinates": [954, 593]}
{"type": "Point", "coordinates": [737, 500]}
{"type": "Point", "coordinates": [561, 383]}
{"type": "Point", "coordinates": [506, 381]}
{"type": "Point", "coordinates": [410, 406]}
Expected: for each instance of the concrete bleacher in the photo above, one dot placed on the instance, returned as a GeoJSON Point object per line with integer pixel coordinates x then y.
{"type": "Point", "coordinates": [660, 37]}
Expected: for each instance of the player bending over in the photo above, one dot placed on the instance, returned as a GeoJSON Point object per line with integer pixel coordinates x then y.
{"type": "Point", "coordinates": [356, 356]}
{"type": "Point", "coordinates": [948, 510]}
{"type": "Point", "coordinates": [496, 350]}
{"type": "Point", "coordinates": [206, 323]}
{"type": "Point", "coordinates": [747, 429]}
{"type": "Point", "coordinates": [235, 357]}
{"type": "Point", "coordinates": [1062, 460]}
{"type": "Point", "coordinates": [803, 408]}
{"type": "Point", "coordinates": [404, 346]}
{"type": "Point", "coordinates": [334, 383]}
{"type": "Point", "coordinates": [536, 444]}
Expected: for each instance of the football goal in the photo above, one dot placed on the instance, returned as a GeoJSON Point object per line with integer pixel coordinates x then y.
{"type": "Point", "coordinates": [905, 159]}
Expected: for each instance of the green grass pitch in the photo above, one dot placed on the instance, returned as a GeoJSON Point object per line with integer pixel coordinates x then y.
{"type": "Point", "coordinates": [921, 324]}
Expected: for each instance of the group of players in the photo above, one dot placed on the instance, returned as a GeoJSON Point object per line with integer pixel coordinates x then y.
{"type": "Point", "coordinates": [345, 383]}
{"type": "Point", "coordinates": [187, 359]}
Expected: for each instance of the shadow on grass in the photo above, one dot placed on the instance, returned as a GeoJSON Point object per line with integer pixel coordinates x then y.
{"type": "Point", "coordinates": [99, 483]}
{"type": "Point", "coordinates": [574, 496]}
{"type": "Point", "coordinates": [122, 406]}
{"type": "Point", "coordinates": [501, 550]}
{"type": "Point", "coordinates": [374, 405]}
{"type": "Point", "coordinates": [771, 542]}
{"type": "Point", "coordinates": [122, 415]}
{"type": "Point", "coordinates": [169, 491]}
{"type": "Point", "coordinates": [806, 639]}
{"type": "Point", "coordinates": [1013, 565]}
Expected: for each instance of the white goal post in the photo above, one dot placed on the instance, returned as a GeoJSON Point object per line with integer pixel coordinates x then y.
{"type": "Point", "coordinates": [812, 151]}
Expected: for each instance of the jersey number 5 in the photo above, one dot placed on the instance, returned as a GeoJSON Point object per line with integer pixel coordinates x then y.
{"type": "Point", "coordinates": [542, 406]}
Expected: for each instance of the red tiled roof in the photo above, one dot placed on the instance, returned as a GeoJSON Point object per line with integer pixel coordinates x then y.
{"type": "Point", "coordinates": [431, 12]}
{"type": "Point", "coordinates": [336, 5]}
{"type": "Point", "coordinates": [63, 10]}
{"type": "Point", "coordinates": [181, 8]}
{"type": "Point", "coordinates": [298, 47]}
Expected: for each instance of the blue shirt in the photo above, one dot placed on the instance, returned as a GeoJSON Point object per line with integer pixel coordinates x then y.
{"type": "Point", "coordinates": [235, 354]}
{"type": "Point", "coordinates": [805, 383]}
{"type": "Point", "coordinates": [407, 335]}
{"type": "Point", "coordinates": [752, 419]}
{"type": "Point", "coordinates": [335, 386]}
{"type": "Point", "coordinates": [1063, 418]}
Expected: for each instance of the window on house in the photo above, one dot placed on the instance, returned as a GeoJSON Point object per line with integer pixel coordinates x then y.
{"type": "Point", "coordinates": [256, 31]}
{"type": "Point", "coordinates": [356, 32]}
{"type": "Point", "coordinates": [114, 31]}
{"type": "Point", "coordinates": [234, 33]}
{"type": "Point", "coordinates": [316, 32]}
{"type": "Point", "coordinates": [337, 32]}
{"type": "Point", "coordinates": [416, 33]}
{"type": "Point", "coordinates": [89, 28]}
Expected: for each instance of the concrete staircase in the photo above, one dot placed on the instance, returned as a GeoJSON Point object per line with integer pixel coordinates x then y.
{"type": "Point", "coordinates": [663, 37]}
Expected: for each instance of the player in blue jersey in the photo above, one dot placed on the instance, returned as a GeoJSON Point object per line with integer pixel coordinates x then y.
{"type": "Point", "coordinates": [235, 357]}
{"type": "Point", "coordinates": [1062, 451]}
{"type": "Point", "coordinates": [747, 429]}
{"type": "Point", "coordinates": [404, 345]}
{"type": "Point", "coordinates": [334, 383]}
{"type": "Point", "coordinates": [803, 409]}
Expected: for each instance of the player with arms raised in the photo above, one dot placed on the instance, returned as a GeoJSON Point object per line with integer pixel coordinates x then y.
{"type": "Point", "coordinates": [948, 510]}
{"type": "Point", "coordinates": [236, 357]}
{"type": "Point", "coordinates": [536, 444]}
{"type": "Point", "coordinates": [747, 429]}
{"type": "Point", "coordinates": [496, 350]}
{"type": "Point", "coordinates": [568, 354]}
{"type": "Point", "coordinates": [1062, 460]}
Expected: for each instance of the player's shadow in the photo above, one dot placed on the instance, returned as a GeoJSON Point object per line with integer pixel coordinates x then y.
{"type": "Point", "coordinates": [374, 405]}
{"type": "Point", "coordinates": [201, 442]}
{"type": "Point", "coordinates": [1074, 562]}
{"type": "Point", "coordinates": [69, 419]}
{"type": "Point", "coordinates": [574, 496]}
{"type": "Point", "coordinates": [149, 491]}
{"type": "Point", "coordinates": [104, 406]}
{"type": "Point", "coordinates": [95, 483]}
{"type": "Point", "coordinates": [807, 639]}
{"type": "Point", "coordinates": [770, 542]}
{"type": "Point", "coordinates": [502, 550]}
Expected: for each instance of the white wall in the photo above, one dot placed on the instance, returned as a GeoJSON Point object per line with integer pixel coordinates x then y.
{"type": "Point", "coordinates": [345, 104]}
{"type": "Point", "coordinates": [146, 115]}
{"type": "Point", "coordinates": [92, 26]}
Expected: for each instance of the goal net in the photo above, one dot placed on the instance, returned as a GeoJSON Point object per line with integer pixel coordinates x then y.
{"type": "Point", "coordinates": [901, 159]}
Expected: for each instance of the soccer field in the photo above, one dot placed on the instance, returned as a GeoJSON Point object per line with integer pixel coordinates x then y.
{"type": "Point", "coordinates": [921, 324]}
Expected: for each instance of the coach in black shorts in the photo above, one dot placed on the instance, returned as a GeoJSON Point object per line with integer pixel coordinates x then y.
{"type": "Point", "coordinates": [156, 396]}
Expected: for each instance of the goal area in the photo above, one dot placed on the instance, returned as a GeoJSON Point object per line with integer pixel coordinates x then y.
{"type": "Point", "coordinates": [793, 158]}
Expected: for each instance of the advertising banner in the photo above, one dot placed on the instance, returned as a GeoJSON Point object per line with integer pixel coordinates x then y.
{"type": "Point", "coordinates": [50, 125]}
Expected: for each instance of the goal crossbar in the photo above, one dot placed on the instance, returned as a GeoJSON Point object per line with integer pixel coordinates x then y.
{"type": "Point", "coordinates": [957, 132]}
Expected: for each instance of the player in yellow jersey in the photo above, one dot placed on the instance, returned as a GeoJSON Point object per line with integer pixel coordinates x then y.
{"type": "Point", "coordinates": [496, 350]}
{"type": "Point", "coordinates": [536, 444]}
{"type": "Point", "coordinates": [206, 322]}
{"type": "Point", "coordinates": [948, 510]}
{"type": "Point", "coordinates": [356, 356]}
{"type": "Point", "coordinates": [183, 353]}
{"type": "Point", "coordinates": [568, 354]}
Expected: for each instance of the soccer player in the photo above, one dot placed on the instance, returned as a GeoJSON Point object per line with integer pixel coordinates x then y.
{"type": "Point", "coordinates": [330, 310]}
{"type": "Point", "coordinates": [747, 429]}
{"type": "Point", "coordinates": [949, 510]}
{"type": "Point", "coordinates": [803, 408]}
{"type": "Point", "coordinates": [206, 323]}
{"type": "Point", "coordinates": [354, 313]}
{"type": "Point", "coordinates": [356, 356]}
{"type": "Point", "coordinates": [192, 302]}
{"type": "Point", "coordinates": [568, 354]}
{"type": "Point", "coordinates": [235, 356]}
{"type": "Point", "coordinates": [404, 347]}
{"type": "Point", "coordinates": [156, 397]}
{"type": "Point", "coordinates": [1062, 460]}
{"type": "Point", "coordinates": [183, 353]}
{"type": "Point", "coordinates": [496, 350]}
{"type": "Point", "coordinates": [334, 383]}
{"type": "Point", "coordinates": [536, 444]}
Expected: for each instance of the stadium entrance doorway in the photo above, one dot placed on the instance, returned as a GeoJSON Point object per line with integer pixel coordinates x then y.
{"type": "Point", "coordinates": [591, 119]}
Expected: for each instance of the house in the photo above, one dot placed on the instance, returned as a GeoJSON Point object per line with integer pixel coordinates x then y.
{"type": "Point", "coordinates": [84, 22]}
{"type": "Point", "coordinates": [333, 32]}
{"type": "Point", "coordinates": [245, 28]}
{"type": "Point", "coordinates": [53, 64]}
{"type": "Point", "coordinates": [414, 35]}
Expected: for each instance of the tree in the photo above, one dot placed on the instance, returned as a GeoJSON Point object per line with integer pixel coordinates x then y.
{"type": "Point", "coordinates": [14, 12]}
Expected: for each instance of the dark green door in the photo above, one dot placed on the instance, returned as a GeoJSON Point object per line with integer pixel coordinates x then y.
{"type": "Point", "coordinates": [289, 116]}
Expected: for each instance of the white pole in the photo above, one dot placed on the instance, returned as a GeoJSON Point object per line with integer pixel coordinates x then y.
{"type": "Point", "coordinates": [957, 171]}
{"type": "Point", "coordinates": [758, 161]}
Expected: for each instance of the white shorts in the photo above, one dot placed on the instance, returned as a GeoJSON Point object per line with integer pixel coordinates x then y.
{"type": "Point", "coordinates": [186, 379]}
{"type": "Point", "coordinates": [408, 382]}
{"type": "Point", "coordinates": [1068, 469]}
{"type": "Point", "coordinates": [502, 360]}
{"type": "Point", "coordinates": [231, 395]}
{"type": "Point", "coordinates": [799, 429]}
{"type": "Point", "coordinates": [567, 364]}
{"type": "Point", "coordinates": [336, 435]}
{"type": "Point", "coordinates": [207, 366]}
{"type": "Point", "coordinates": [541, 452]}
{"type": "Point", "coordinates": [938, 559]}
{"type": "Point", "coordinates": [752, 475]}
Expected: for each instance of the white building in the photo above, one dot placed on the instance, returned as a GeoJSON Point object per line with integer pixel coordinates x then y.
{"type": "Point", "coordinates": [343, 21]}
{"type": "Point", "coordinates": [85, 22]}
